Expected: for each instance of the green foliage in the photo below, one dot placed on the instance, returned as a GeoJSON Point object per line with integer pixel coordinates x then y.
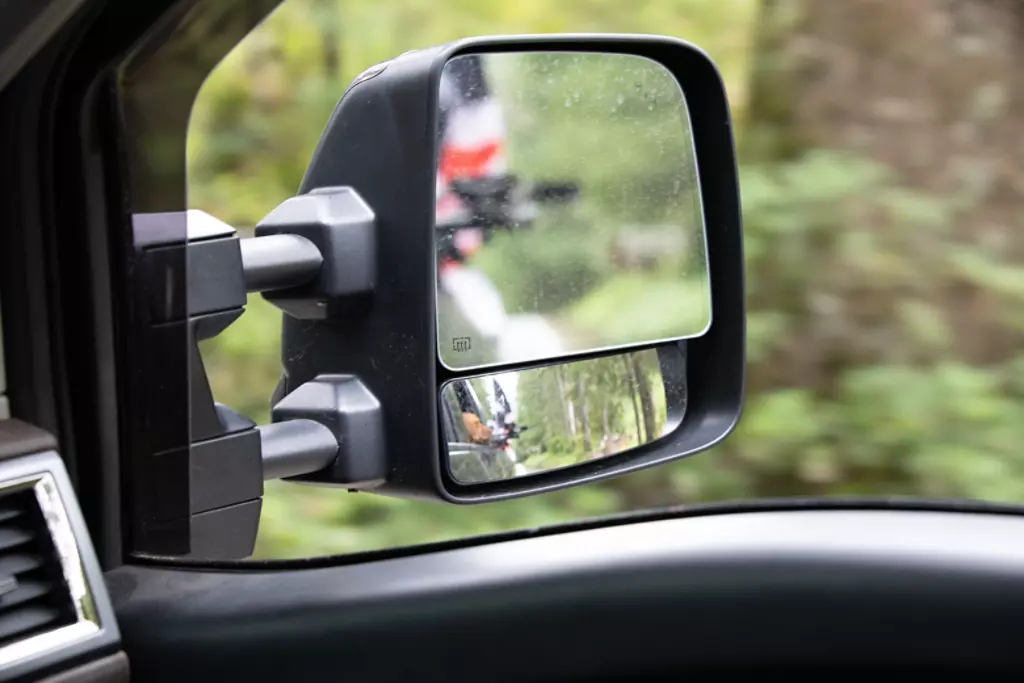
{"type": "Point", "coordinates": [618, 127]}
{"type": "Point", "coordinates": [570, 408]}
{"type": "Point", "coordinates": [546, 267]}
{"type": "Point", "coordinates": [669, 305]}
{"type": "Point", "coordinates": [884, 334]}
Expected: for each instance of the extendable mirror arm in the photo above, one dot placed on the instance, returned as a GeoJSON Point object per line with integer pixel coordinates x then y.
{"type": "Point", "coordinates": [310, 255]}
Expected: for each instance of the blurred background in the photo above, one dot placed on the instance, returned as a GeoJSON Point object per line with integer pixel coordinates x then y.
{"type": "Point", "coordinates": [879, 149]}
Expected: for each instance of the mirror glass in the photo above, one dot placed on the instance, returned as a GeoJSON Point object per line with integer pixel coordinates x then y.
{"type": "Point", "coordinates": [568, 216]}
{"type": "Point", "coordinates": [513, 424]}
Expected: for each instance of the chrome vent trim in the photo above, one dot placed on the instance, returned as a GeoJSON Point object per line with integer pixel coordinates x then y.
{"type": "Point", "coordinates": [67, 548]}
{"type": "Point", "coordinates": [94, 629]}
{"type": "Point", "coordinates": [52, 507]}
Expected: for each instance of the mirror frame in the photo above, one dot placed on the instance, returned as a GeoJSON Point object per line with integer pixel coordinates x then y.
{"type": "Point", "coordinates": [381, 140]}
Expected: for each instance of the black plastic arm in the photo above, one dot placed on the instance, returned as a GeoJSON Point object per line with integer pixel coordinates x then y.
{"type": "Point", "coordinates": [279, 262]}
{"type": "Point", "coordinates": [353, 416]}
{"type": "Point", "coordinates": [342, 227]}
{"type": "Point", "coordinates": [311, 253]}
{"type": "Point", "coordinates": [296, 447]}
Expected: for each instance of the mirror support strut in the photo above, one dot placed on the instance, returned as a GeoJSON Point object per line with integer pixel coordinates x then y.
{"type": "Point", "coordinates": [279, 262]}
{"type": "Point", "coordinates": [311, 253]}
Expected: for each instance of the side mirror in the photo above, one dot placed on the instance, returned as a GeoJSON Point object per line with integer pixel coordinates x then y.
{"type": "Point", "coordinates": [557, 272]}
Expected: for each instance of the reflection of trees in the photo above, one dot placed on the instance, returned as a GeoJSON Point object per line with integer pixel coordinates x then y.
{"type": "Point", "coordinates": [642, 385]}
{"type": "Point", "coordinates": [580, 410]}
{"type": "Point", "coordinates": [581, 396]}
{"type": "Point", "coordinates": [633, 399]}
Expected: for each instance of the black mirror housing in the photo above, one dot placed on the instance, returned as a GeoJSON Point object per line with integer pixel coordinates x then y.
{"type": "Point", "coordinates": [381, 141]}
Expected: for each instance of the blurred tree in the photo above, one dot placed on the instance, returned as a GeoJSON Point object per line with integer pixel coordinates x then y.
{"type": "Point", "coordinates": [867, 256]}
{"type": "Point", "coordinates": [933, 92]}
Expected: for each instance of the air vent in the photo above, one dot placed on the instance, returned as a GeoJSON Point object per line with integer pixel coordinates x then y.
{"type": "Point", "coordinates": [34, 595]}
{"type": "Point", "coordinates": [53, 604]}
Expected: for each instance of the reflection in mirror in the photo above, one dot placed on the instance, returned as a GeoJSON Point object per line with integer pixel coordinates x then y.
{"type": "Point", "coordinates": [568, 214]}
{"type": "Point", "coordinates": [512, 424]}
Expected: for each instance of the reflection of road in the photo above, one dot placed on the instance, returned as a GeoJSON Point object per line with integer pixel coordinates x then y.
{"type": "Point", "coordinates": [518, 468]}
{"type": "Point", "coordinates": [524, 337]}
{"type": "Point", "coordinates": [520, 337]}
{"type": "Point", "coordinates": [528, 337]}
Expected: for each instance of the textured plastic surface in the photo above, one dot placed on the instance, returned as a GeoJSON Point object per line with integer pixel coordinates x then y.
{"type": "Point", "coordinates": [103, 640]}
{"type": "Point", "coordinates": [341, 225]}
{"type": "Point", "coordinates": [225, 470]}
{"type": "Point", "coordinates": [201, 499]}
{"type": "Point", "coordinates": [226, 533]}
{"type": "Point", "coordinates": [785, 589]}
{"type": "Point", "coordinates": [112, 669]}
{"type": "Point", "coordinates": [353, 414]}
{"type": "Point", "coordinates": [216, 281]}
{"type": "Point", "coordinates": [20, 438]}
{"type": "Point", "coordinates": [381, 141]}
{"type": "Point", "coordinates": [204, 418]}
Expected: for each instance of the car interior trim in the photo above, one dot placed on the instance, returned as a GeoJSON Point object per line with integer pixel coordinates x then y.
{"type": "Point", "coordinates": [807, 586]}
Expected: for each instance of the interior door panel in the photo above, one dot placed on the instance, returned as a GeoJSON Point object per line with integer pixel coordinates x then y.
{"type": "Point", "coordinates": [782, 589]}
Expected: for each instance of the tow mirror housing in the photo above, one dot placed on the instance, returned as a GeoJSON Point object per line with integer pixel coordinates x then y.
{"type": "Point", "coordinates": [558, 303]}
{"type": "Point", "coordinates": [514, 265]}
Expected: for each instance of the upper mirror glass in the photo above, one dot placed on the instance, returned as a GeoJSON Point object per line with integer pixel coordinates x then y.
{"type": "Point", "coordinates": [512, 424]}
{"type": "Point", "coordinates": [568, 215]}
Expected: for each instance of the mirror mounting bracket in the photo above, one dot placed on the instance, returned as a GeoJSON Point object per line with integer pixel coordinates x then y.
{"type": "Point", "coordinates": [341, 228]}
{"type": "Point", "coordinates": [311, 251]}
{"type": "Point", "coordinates": [353, 418]}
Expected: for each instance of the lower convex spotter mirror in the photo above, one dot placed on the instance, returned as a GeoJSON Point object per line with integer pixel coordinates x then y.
{"type": "Point", "coordinates": [515, 265]}
{"type": "Point", "coordinates": [523, 422]}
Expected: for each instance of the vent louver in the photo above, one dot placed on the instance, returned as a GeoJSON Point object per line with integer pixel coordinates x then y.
{"type": "Point", "coordinates": [34, 596]}
{"type": "Point", "coordinates": [54, 607]}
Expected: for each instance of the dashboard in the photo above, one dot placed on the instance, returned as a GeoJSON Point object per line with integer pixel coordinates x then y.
{"type": "Point", "coordinates": [55, 615]}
